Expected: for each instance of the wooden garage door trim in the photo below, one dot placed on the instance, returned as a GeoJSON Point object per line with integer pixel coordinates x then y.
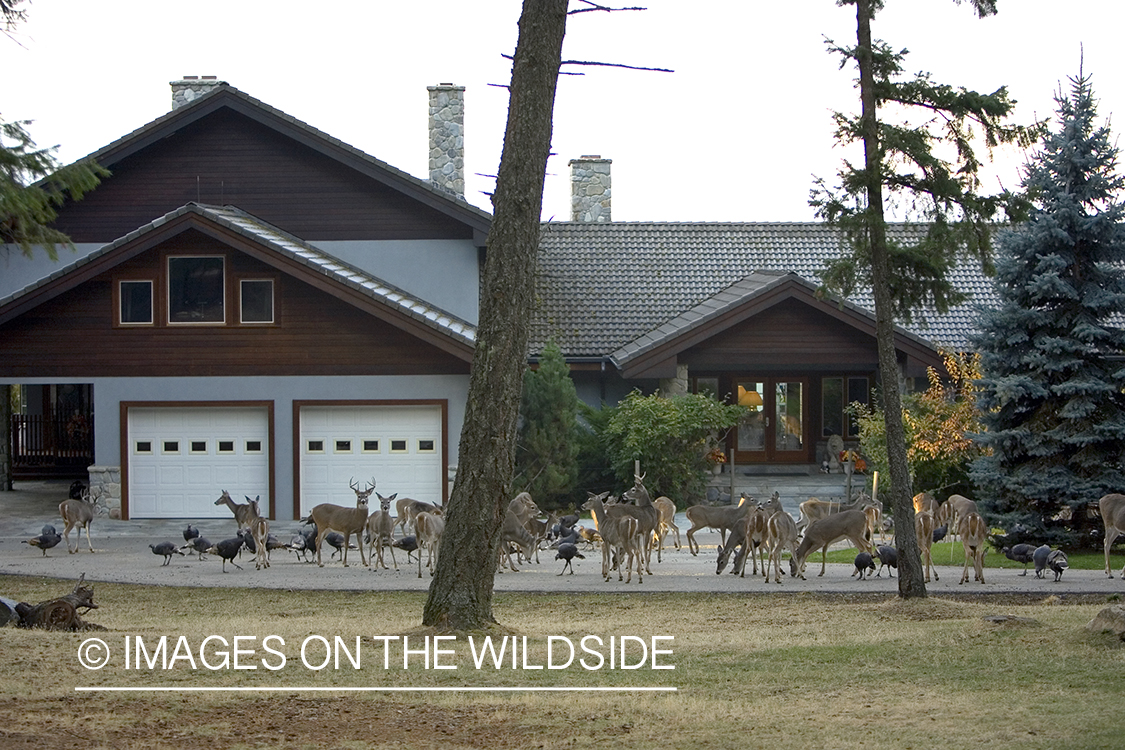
{"type": "Point", "coordinates": [125, 406]}
{"type": "Point", "coordinates": [298, 405]}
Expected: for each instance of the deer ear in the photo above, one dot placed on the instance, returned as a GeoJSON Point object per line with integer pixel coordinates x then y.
{"type": "Point", "coordinates": [392, 497]}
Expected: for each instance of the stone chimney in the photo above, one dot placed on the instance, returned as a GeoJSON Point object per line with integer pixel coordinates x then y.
{"type": "Point", "coordinates": [189, 88]}
{"type": "Point", "coordinates": [590, 191]}
{"type": "Point", "coordinates": [447, 137]}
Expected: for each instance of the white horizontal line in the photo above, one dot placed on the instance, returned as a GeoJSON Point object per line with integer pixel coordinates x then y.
{"type": "Point", "coordinates": [464, 689]}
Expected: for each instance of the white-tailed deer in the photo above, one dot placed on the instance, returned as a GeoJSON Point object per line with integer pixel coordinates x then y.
{"type": "Point", "coordinates": [78, 514]}
{"type": "Point", "coordinates": [381, 531]}
{"type": "Point", "coordinates": [428, 528]}
{"type": "Point", "coordinates": [973, 532]}
{"type": "Point", "coordinates": [924, 529]}
{"type": "Point", "coordinates": [619, 534]}
{"type": "Point", "coordinates": [260, 530]}
{"type": "Point", "coordinates": [242, 511]}
{"type": "Point", "coordinates": [953, 510]}
{"type": "Point", "coordinates": [648, 518]}
{"type": "Point", "coordinates": [925, 501]}
{"type": "Point", "coordinates": [407, 507]}
{"type": "Point", "coordinates": [513, 530]}
{"type": "Point", "coordinates": [850, 524]}
{"type": "Point", "coordinates": [1112, 508]}
{"type": "Point", "coordinates": [347, 521]}
{"type": "Point", "coordinates": [667, 510]}
{"type": "Point", "coordinates": [782, 535]}
{"type": "Point", "coordinates": [815, 509]}
{"type": "Point", "coordinates": [722, 518]}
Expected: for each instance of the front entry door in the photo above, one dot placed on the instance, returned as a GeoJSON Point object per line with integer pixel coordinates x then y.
{"type": "Point", "coordinates": [774, 430]}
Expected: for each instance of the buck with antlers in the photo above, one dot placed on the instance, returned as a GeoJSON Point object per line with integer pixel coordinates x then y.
{"type": "Point", "coordinates": [78, 514]}
{"type": "Point", "coordinates": [973, 532]}
{"type": "Point", "coordinates": [347, 521]}
{"type": "Point", "coordinates": [1112, 508]}
{"type": "Point", "coordinates": [851, 525]}
{"type": "Point", "coordinates": [243, 513]}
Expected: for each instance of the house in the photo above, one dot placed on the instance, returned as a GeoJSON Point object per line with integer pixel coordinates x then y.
{"type": "Point", "coordinates": [258, 307]}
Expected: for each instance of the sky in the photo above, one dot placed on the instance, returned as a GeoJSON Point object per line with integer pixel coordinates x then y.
{"type": "Point", "coordinates": [736, 133]}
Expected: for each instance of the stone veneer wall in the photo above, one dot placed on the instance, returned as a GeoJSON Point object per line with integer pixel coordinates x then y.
{"type": "Point", "coordinates": [447, 137]}
{"type": "Point", "coordinates": [189, 88]}
{"type": "Point", "coordinates": [106, 481]}
{"type": "Point", "coordinates": [590, 192]}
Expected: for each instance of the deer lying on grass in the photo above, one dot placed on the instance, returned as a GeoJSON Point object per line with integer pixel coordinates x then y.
{"type": "Point", "coordinates": [380, 531]}
{"type": "Point", "coordinates": [619, 535]}
{"type": "Point", "coordinates": [924, 530]}
{"type": "Point", "coordinates": [242, 511]}
{"type": "Point", "coordinates": [667, 510]}
{"type": "Point", "coordinates": [347, 521]}
{"type": "Point", "coordinates": [260, 531]}
{"type": "Point", "coordinates": [78, 514]}
{"type": "Point", "coordinates": [850, 524]}
{"type": "Point", "coordinates": [722, 518]}
{"type": "Point", "coordinates": [973, 531]}
{"type": "Point", "coordinates": [814, 509]}
{"type": "Point", "coordinates": [953, 510]}
{"type": "Point", "coordinates": [428, 528]}
{"type": "Point", "coordinates": [1112, 508]}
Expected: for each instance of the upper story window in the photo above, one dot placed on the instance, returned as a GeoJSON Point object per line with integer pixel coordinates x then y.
{"type": "Point", "coordinates": [256, 300]}
{"type": "Point", "coordinates": [134, 302]}
{"type": "Point", "coordinates": [196, 289]}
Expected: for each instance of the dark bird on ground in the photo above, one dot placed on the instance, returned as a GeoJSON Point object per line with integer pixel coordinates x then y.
{"type": "Point", "coordinates": [303, 543]}
{"type": "Point", "coordinates": [1057, 562]}
{"type": "Point", "coordinates": [888, 558]}
{"type": "Point", "coordinates": [864, 564]}
{"type": "Point", "coordinates": [44, 541]}
{"type": "Point", "coordinates": [940, 532]}
{"type": "Point", "coordinates": [571, 537]}
{"type": "Point", "coordinates": [167, 549]}
{"type": "Point", "coordinates": [1040, 558]}
{"type": "Point", "coordinates": [190, 533]}
{"type": "Point", "coordinates": [199, 544]}
{"type": "Point", "coordinates": [1021, 553]}
{"type": "Point", "coordinates": [247, 540]}
{"type": "Point", "coordinates": [337, 541]}
{"type": "Point", "coordinates": [409, 544]}
{"type": "Point", "coordinates": [568, 551]}
{"type": "Point", "coordinates": [567, 522]}
{"type": "Point", "coordinates": [48, 530]}
{"type": "Point", "coordinates": [227, 549]}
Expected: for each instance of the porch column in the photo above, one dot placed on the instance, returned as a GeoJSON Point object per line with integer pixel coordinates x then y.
{"type": "Point", "coordinates": [677, 386]}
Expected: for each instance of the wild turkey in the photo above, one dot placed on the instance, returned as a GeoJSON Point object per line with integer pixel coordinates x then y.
{"type": "Point", "coordinates": [1057, 562]}
{"type": "Point", "coordinates": [228, 549]}
{"type": "Point", "coordinates": [864, 565]}
{"type": "Point", "coordinates": [1021, 553]}
{"type": "Point", "coordinates": [167, 549]}
{"type": "Point", "coordinates": [199, 544]}
{"type": "Point", "coordinates": [568, 551]}
{"type": "Point", "coordinates": [190, 533]}
{"type": "Point", "coordinates": [888, 558]}
{"type": "Point", "coordinates": [45, 541]}
{"type": "Point", "coordinates": [408, 544]}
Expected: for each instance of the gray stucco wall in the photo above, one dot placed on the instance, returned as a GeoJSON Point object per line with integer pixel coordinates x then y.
{"type": "Point", "coordinates": [17, 271]}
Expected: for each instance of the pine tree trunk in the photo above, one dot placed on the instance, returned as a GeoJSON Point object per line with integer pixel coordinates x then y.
{"type": "Point", "coordinates": [460, 596]}
{"type": "Point", "coordinates": [910, 579]}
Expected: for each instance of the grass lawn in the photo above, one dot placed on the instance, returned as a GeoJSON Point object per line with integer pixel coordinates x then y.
{"type": "Point", "coordinates": [751, 670]}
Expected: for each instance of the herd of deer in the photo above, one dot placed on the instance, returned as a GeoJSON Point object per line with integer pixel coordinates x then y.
{"type": "Point", "coordinates": [631, 527]}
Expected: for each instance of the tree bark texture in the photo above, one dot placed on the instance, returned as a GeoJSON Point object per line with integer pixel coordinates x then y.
{"type": "Point", "coordinates": [910, 580]}
{"type": "Point", "coordinates": [460, 596]}
{"type": "Point", "coordinates": [5, 435]}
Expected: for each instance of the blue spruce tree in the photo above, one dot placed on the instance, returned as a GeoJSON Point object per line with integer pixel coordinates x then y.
{"type": "Point", "coordinates": [1054, 375]}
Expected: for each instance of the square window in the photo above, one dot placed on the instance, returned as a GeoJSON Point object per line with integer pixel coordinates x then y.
{"type": "Point", "coordinates": [143, 446]}
{"type": "Point", "coordinates": [315, 446]}
{"type": "Point", "coordinates": [226, 446]}
{"type": "Point", "coordinates": [198, 446]}
{"type": "Point", "coordinates": [256, 300]}
{"type": "Point", "coordinates": [171, 446]}
{"type": "Point", "coordinates": [196, 290]}
{"type": "Point", "coordinates": [135, 302]}
{"type": "Point", "coordinates": [343, 446]}
{"type": "Point", "coordinates": [426, 446]}
{"type": "Point", "coordinates": [370, 446]}
{"type": "Point", "coordinates": [398, 446]}
{"type": "Point", "coordinates": [253, 446]}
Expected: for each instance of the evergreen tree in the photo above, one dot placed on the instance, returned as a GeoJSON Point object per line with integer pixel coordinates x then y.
{"type": "Point", "coordinates": [547, 446]}
{"type": "Point", "coordinates": [1053, 381]}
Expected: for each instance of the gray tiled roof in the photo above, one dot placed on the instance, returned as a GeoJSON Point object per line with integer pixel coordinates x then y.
{"type": "Point", "coordinates": [285, 244]}
{"type": "Point", "coordinates": [602, 286]}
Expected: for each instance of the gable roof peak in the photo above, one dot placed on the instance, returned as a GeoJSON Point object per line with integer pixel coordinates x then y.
{"type": "Point", "coordinates": [189, 88]}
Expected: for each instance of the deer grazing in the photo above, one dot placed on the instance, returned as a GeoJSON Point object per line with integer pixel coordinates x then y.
{"type": "Point", "coordinates": [78, 514]}
{"type": "Point", "coordinates": [1112, 508]}
{"type": "Point", "coordinates": [347, 521]}
{"type": "Point", "coordinates": [722, 518]}
{"type": "Point", "coordinates": [850, 524]}
{"type": "Point", "coordinates": [924, 529]}
{"type": "Point", "coordinates": [514, 530]}
{"type": "Point", "coordinates": [260, 531]}
{"type": "Point", "coordinates": [428, 528]}
{"type": "Point", "coordinates": [380, 531]}
{"type": "Point", "coordinates": [973, 530]}
{"type": "Point", "coordinates": [619, 535]}
{"type": "Point", "coordinates": [243, 514]}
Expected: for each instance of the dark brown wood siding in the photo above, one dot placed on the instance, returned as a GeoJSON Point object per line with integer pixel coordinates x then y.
{"type": "Point", "coordinates": [74, 334]}
{"type": "Point", "coordinates": [788, 336]}
{"type": "Point", "coordinates": [229, 159]}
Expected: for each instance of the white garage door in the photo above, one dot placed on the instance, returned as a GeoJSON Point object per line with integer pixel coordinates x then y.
{"type": "Point", "coordinates": [182, 458]}
{"type": "Point", "coordinates": [397, 446]}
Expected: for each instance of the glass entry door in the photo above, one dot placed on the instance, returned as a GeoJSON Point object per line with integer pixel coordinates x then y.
{"type": "Point", "coordinates": [774, 429]}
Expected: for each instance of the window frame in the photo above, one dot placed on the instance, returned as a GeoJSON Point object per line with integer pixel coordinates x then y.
{"type": "Point", "coordinates": [273, 301]}
{"type": "Point", "coordinates": [119, 299]}
{"type": "Point", "coordinates": [168, 261]}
